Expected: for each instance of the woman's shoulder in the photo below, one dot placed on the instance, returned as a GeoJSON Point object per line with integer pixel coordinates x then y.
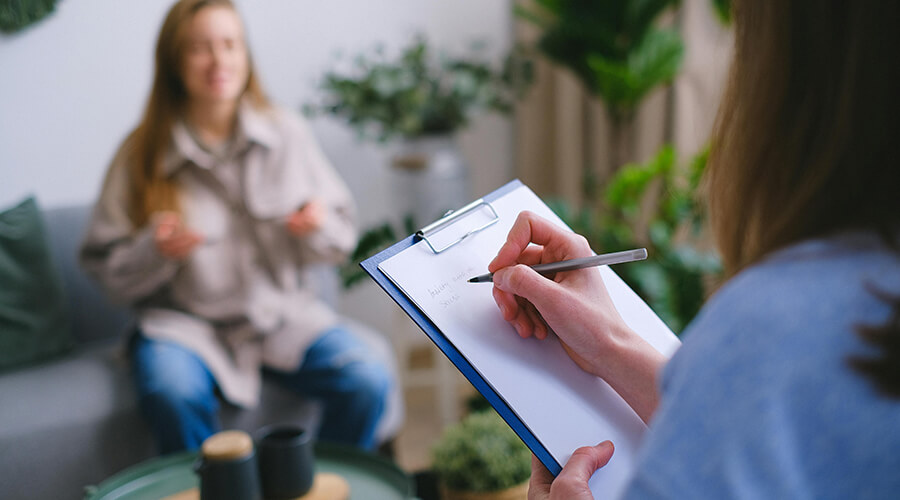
{"type": "Point", "coordinates": [795, 313]}
{"type": "Point", "coordinates": [816, 279]}
{"type": "Point", "coordinates": [764, 372]}
{"type": "Point", "coordinates": [797, 303]}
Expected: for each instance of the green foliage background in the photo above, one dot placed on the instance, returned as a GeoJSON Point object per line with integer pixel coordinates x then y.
{"type": "Point", "coordinates": [17, 14]}
{"type": "Point", "coordinates": [612, 46]}
{"type": "Point", "coordinates": [481, 453]}
{"type": "Point", "coordinates": [420, 93]}
{"type": "Point", "coordinates": [674, 278]}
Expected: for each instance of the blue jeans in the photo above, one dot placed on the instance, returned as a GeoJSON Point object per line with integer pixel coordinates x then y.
{"type": "Point", "coordinates": [178, 394]}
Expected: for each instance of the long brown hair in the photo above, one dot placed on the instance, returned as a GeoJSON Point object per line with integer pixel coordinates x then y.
{"type": "Point", "coordinates": [804, 142]}
{"type": "Point", "coordinates": [151, 190]}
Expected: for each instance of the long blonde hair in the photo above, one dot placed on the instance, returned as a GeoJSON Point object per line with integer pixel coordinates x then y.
{"type": "Point", "coordinates": [150, 189]}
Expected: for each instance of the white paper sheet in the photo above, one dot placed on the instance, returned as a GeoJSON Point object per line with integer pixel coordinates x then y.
{"type": "Point", "coordinates": [564, 407]}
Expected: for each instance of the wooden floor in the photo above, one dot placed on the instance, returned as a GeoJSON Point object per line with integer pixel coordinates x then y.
{"type": "Point", "coordinates": [423, 424]}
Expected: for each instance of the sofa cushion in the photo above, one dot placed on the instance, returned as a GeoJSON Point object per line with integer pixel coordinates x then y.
{"type": "Point", "coordinates": [34, 323]}
{"type": "Point", "coordinates": [94, 317]}
{"type": "Point", "coordinates": [77, 418]}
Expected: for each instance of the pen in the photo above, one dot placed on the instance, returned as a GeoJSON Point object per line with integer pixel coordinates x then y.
{"type": "Point", "coordinates": [573, 264]}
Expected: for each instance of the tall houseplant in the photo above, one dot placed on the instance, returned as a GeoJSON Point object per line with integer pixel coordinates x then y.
{"type": "Point", "coordinates": [617, 51]}
{"type": "Point", "coordinates": [619, 54]}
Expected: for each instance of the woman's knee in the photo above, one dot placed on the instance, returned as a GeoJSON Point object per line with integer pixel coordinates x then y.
{"type": "Point", "coordinates": [181, 395]}
{"type": "Point", "coordinates": [367, 380]}
{"type": "Point", "coordinates": [169, 375]}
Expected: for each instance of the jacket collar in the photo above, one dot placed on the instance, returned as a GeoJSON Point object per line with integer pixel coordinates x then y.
{"type": "Point", "coordinates": [254, 126]}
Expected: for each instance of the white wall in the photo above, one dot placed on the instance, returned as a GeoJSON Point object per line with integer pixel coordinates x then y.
{"type": "Point", "coordinates": [74, 84]}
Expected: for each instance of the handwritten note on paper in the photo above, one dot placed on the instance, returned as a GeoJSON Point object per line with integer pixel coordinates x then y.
{"type": "Point", "coordinates": [563, 406]}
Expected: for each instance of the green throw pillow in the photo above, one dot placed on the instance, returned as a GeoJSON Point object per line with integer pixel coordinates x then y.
{"type": "Point", "coordinates": [34, 322]}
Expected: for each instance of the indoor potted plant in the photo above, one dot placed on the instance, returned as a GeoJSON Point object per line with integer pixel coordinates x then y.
{"type": "Point", "coordinates": [620, 54]}
{"type": "Point", "coordinates": [481, 458]}
{"type": "Point", "coordinates": [419, 100]}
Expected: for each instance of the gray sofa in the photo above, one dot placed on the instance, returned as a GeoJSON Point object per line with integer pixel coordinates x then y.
{"type": "Point", "coordinates": [73, 421]}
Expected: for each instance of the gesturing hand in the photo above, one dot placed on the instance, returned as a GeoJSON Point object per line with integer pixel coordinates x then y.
{"type": "Point", "coordinates": [172, 238]}
{"type": "Point", "coordinates": [306, 219]}
{"type": "Point", "coordinates": [572, 481]}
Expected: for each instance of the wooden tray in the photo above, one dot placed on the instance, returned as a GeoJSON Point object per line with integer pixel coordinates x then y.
{"type": "Point", "coordinates": [369, 476]}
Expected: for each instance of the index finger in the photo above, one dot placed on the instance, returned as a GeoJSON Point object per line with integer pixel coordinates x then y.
{"type": "Point", "coordinates": [532, 228]}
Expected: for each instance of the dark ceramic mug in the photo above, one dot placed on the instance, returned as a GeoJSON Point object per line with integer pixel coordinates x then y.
{"type": "Point", "coordinates": [227, 467]}
{"type": "Point", "coordinates": [286, 461]}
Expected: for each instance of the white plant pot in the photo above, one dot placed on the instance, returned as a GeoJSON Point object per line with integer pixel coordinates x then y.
{"type": "Point", "coordinates": [428, 177]}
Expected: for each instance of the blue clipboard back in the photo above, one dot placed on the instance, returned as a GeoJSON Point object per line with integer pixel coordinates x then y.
{"type": "Point", "coordinates": [371, 264]}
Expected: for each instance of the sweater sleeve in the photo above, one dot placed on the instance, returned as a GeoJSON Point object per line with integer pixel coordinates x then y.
{"type": "Point", "coordinates": [121, 257]}
{"type": "Point", "coordinates": [336, 238]}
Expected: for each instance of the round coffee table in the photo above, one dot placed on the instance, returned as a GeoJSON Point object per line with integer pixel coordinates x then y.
{"type": "Point", "coordinates": [369, 476]}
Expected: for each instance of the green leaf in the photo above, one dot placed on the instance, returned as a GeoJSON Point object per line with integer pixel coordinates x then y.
{"type": "Point", "coordinates": [372, 241]}
{"type": "Point", "coordinates": [417, 93]}
{"type": "Point", "coordinates": [581, 34]}
{"type": "Point", "coordinates": [627, 188]}
{"type": "Point", "coordinates": [723, 10]}
{"type": "Point", "coordinates": [656, 60]}
{"type": "Point", "coordinates": [15, 15]}
{"type": "Point", "coordinates": [481, 453]}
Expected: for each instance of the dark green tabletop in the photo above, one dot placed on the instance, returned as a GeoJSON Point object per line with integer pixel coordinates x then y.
{"type": "Point", "coordinates": [370, 476]}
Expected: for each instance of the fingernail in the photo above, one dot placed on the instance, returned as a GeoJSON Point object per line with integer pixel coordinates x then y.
{"type": "Point", "coordinates": [500, 279]}
{"type": "Point", "coordinates": [524, 329]}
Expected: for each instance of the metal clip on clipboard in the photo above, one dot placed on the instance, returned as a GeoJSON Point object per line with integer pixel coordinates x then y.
{"type": "Point", "coordinates": [454, 216]}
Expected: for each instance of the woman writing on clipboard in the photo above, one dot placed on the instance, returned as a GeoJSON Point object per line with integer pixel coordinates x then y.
{"type": "Point", "coordinates": [788, 381]}
{"type": "Point", "coordinates": [211, 211]}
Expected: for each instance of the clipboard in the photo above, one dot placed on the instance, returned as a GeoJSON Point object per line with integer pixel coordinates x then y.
{"type": "Point", "coordinates": [431, 330]}
{"type": "Point", "coordinates": [468, 222]}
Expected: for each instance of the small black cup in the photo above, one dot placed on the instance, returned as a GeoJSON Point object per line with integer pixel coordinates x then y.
{"type": "Point", "coordinates": [286, 461]}
{"type": "Point", "coordinates": [228, 468]}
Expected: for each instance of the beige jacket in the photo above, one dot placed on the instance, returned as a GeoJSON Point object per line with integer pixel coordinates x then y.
{"type": "Point", "coordinates": [240, 300]}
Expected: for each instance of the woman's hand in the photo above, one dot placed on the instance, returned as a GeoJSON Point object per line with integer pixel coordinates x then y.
{"type": "Point", "coordinates": [572, 481]}
{"type": "Point", "coordinates": [172, 238]}
{"type": "Point", "coordinates": [307, 219]}
{"type": "Point", "coordinates": [574, 305]}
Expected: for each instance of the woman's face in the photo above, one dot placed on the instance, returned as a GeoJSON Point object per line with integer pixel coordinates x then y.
{"type": "Point", "coordinates": [215, 64]}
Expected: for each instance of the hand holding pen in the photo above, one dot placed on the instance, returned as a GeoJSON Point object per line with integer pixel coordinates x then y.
{"type": "Point", "coordinates": [573, 305]}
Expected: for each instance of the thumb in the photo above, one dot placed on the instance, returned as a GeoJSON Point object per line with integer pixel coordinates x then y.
{"type": "Point", "coordinates": [525, 282]}
{"type": "Point", "coordinates": [585, 461]}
